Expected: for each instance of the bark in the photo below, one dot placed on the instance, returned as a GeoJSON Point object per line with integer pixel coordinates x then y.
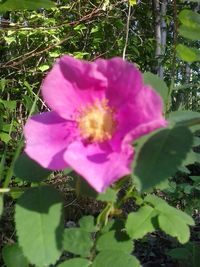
{"type": "Point", "coordinates": [160, 8]}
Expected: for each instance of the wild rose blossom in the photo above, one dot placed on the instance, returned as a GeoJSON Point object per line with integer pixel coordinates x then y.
{"type": "Point", "coordinates": [97, 110]}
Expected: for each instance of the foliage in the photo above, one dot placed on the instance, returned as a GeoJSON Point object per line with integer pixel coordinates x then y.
{"type": "Point", "coordinates": [33, 35]}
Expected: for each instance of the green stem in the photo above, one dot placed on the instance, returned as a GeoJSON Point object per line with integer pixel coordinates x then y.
{"type": "Point", "coordinates": [10, 170]}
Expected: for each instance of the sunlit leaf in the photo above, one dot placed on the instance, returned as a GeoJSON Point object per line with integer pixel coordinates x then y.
{"type": "Point", "coordinates": [75, 262]}
{"type": "Point", "coordinates": [9, 5]}
{"type": "Point", "coordinates": [39, 225]}
{"type": "Point", "coordinates": [115, 240]}
{"type": "Point", "coordinates": [87, 223]}
{"type": "Point", "coordinates": [140, 223]}
{"type": "Point", "coordinates": [188, 54]}
{"type": "Point", "coordinates": [77, 241]}
{"type": "Point", "coordinates": [115, 258]}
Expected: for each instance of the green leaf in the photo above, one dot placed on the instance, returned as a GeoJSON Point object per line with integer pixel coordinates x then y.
{"type": "Point", "coordinates": [195, 178]}
{"type": "Point", "coordinates": [10, 5]}
{"type": "Point", "coordinates": [115, 240]}
{"type": "Point", "coordinates": [5, 137]}
{"type": "Point", "coordinates": [140, 223]}
{"type": "Point", "coordinates": [163, 207]}
{"type": "Point", "coordinates": [161, 155]}
{"type": "Point", "coordinates": [43, 67]}
{"type": "Point", "coordinates": [29, 170]}
{"type": "Point", "coordinates": [13, 256]}
{"type": "Point", "coordinates": [77, 241]}
{"type": "Point", "coordinates": [196, 141]}
{"type": "Point", "coordinates": [184, 118]}
{"type": "Point", "coordinates": [1, 204]}
{"type": "Point", "coordinates": [115, 258]}
{"type": "Point", "coordinates": [172, 221]}
{"type": "Point", "coordinates": [158, 84]}
{"type": "Point", "coordinates": [16, 192]}
{"type": "Point", "coordinates": [109, 196]}
{"type": "Point", "coordinates": [191, 158]}
{"type": "Point", "coordinates": [9, 104]}
{"type": "Point", "coordinates": [87, 223]}
{"type": "Point", "coordinates": [190, 33]}
{"type": "Point", "coordinates": [191, 24]}
{"type": "Point", "coordinates": [174, 226]}
{"type": "Point", "coordinates": [180, 254]}
{"type": "Point", "coordinates": [75, 262]}
{"type": "Point", "coordinates": [82, 187]}
{"type": "Point", "coordinates": [132, 2]}
{"type": "Point", "coordinates": [40, 225]}
{"type": "Point", "coordinates": [188, 54]}
{"type": "Point", "coordinates": [189, 18]}
{"type": "Point", "coordinates": [196, 255]}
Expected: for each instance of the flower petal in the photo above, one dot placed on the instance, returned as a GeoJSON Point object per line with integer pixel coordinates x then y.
{"type": "Point", "coordinates": [98, 164]}
{"type": "Point", "coordinates": [71, 84]}
{"type": "Point", "coordinates": [124, 81]}
{"type": "Point", "coordinates": [47, 136]}
{"type": "Point", "coordinates": [140, 117]}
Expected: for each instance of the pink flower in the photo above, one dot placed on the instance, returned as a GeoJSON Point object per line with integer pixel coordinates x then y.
{"type": "Point", "coordinates": [98, 110]}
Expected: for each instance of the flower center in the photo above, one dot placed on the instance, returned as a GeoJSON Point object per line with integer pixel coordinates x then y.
{"type": "Point", "coordinates": [96, 122]}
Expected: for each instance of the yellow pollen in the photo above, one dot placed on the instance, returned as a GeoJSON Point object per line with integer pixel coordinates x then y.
{"type": "Point", "coordinates": [96, 122]}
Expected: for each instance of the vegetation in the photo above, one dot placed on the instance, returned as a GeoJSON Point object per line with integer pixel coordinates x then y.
{"type": "Point", "coordinates": [55, 218]}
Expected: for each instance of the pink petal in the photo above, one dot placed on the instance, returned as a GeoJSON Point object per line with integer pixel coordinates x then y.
{"type": "Point", "coordinates": [140, 116]}
{"type": "Point", "coordinates": [47, 137]}
{"type": "Point", "coordinates": [98, 164]}
{"type": "Point", "coordinates": [124, 81]}
{"type": "Point", "coordinates": [71, 84]}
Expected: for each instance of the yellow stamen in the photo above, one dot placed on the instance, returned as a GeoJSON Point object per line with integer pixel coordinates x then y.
{"type": "Point", "coordinates": [96, 122]}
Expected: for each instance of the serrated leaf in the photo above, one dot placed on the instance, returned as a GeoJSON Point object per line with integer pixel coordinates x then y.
{"type": "Point", "coordinates": [75, 262]}
{"type": "Point", "coordinates": [40, 225]}
{"type": "Point", "coordinates": [140, 223]}
{"type": "Point", "coordinates": [13, 256]}
{"type": "Point", "coordinates": [161, 155]}
{"type": "Point", "coordinates": [174, 226]}
{"type": "Point", "coordinates": [115, 258]}
{"type": "Point", "coordinates": [10, 5]}
{"type": "Point", "coordinates": [158, 84]}
{"type": "Point", "coordinates": [114, 240]}
{"type": "Point", "coordinates": [87, 224]}
{"type": "Point", "coordinates": [109, 196]}
{"type": "Point", "coordinates": [163, 207]}
{"type": "Point", "coordinates": [77, 241]}
{"type": "Point", "coordinates": [29, 170]}
{"type": "Point", "coordinates": [1, 204]}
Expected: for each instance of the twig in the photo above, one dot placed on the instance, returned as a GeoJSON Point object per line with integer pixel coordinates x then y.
{"type": "Point", "coordinates": [127, 31]}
